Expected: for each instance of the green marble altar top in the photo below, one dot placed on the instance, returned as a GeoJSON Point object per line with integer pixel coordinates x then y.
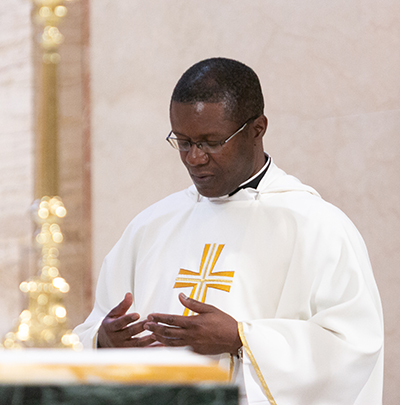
{"type": "Point", "coordinates": [111, 394]}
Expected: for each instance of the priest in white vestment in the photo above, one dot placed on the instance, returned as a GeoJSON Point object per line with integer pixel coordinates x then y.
{"type": "Point", "coordinates": [248, 264]}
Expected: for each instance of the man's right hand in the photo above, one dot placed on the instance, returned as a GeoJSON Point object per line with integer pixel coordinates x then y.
{"type": "Point", "coordinates": [118, 329]}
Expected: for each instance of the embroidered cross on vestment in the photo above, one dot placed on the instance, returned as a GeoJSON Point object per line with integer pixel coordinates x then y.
{"type": "Point", "coordinates": [206, 277]}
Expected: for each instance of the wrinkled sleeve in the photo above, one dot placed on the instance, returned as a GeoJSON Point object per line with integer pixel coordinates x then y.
{"type": "Point", "coordinates": [325, 344]}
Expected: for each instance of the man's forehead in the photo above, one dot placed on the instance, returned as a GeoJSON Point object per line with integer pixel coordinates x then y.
{"type": "Point", "coordinates": [200, 119]}
{"type": "Point", "coordinates": [199, 109]}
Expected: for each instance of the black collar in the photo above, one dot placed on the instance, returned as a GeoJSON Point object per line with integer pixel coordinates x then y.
{"type": "Point", "coordinates": [256, 181]}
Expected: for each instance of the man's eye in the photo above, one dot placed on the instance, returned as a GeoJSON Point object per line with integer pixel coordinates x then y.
{"type": "Point", "coordinates": [183, 143]}
{"type": "Point", "coordinates": [211, 144]}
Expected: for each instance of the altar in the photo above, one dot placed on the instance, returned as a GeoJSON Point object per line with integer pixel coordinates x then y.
{"type": "Point", "coordinates": [113, 376]}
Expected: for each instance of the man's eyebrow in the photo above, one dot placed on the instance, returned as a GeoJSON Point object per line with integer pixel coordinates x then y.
{"type": "Point", "coordinates": [203, 136]}
{"type": "Point", "coordinates": [178, 133]}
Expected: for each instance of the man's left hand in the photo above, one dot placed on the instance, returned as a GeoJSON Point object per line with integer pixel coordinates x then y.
{"type": "Point", "coordinates": [210, 332]}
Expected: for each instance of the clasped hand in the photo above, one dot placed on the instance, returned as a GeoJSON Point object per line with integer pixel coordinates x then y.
{"type": "Point", "coordinates": [211, 331]}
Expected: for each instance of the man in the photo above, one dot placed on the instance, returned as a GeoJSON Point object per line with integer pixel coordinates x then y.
{"type": "Point", "coordinates": [279, 281]}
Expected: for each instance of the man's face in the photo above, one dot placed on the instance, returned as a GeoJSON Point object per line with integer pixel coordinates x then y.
{"type": "Point", "coordinates": [214, 174]}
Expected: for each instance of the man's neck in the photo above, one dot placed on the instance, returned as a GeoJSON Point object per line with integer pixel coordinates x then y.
{"type": "Point", "coordinates": [254, 181]}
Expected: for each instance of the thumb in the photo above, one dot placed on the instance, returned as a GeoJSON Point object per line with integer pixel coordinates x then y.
{"type": "Point", "coordinates": [122, 307]}
{"type": "Point", "coordinates": [194, 305]}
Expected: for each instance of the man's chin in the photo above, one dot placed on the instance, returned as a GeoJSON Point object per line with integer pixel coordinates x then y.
{"type": "Point", "coordinates": [210, 192]}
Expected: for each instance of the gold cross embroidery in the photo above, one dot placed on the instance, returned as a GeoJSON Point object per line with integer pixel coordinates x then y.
{"type": "Point", "coordinates": [206, 277]}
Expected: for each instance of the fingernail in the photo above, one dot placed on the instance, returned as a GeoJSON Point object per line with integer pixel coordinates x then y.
{"type": "Point", "coordinates": [146, 326]}
{"type": "Point", "coordinates": [183, 296]}
{"type": "Point", "coordinates": [150, 318]}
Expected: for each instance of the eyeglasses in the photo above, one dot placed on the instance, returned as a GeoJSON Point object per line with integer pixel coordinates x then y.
{"type": "Point", "coordinates": [184, 145]}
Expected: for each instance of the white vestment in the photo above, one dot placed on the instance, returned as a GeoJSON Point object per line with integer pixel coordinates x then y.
{"type": "Point", "coordinates": [289, 267]}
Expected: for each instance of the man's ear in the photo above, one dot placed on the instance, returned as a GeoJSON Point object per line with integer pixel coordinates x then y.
{"type": "Point", "coordinates": [260, 125]}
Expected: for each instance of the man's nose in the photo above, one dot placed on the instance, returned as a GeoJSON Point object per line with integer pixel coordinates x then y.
{"type": "Point", "coordinates": [195, 156]}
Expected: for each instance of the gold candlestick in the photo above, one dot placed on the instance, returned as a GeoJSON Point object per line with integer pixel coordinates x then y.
{"type": "Point", "coordinates": [49, 13]}
{"type": "Point", "coordinates": [43, 324]}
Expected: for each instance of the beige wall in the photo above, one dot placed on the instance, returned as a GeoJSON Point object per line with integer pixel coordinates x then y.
{"type": "Point", "coordinates": [330, 74]}
{"type": "Point", "coordinates": [16, 152]}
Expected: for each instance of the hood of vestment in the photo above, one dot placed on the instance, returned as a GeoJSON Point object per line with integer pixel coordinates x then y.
{"type": "Point", "coordinates": [274, 181]}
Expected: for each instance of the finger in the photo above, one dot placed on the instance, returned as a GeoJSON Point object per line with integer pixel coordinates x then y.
{"type": "Point", "coordinates": [140, 341]}
{"type": "Point", "coordinates": [122, 322]}
{"type": "Point", "coordinates": [122, 307]}
{"type": "Point", "coordinates": [168, 319]}
{"type": "Point", "coordinates": [129, 332]}
{"type": "Point", "coordinates": [165, 331]}
{"type": "Point", "coordinates": [195, 306]}
{"type": "Point", "coordinates": [171, 342]}
{"type": "Point", "coordinates": [136, 328]}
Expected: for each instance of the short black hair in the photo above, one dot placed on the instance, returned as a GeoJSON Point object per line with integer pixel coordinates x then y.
{"type": "Point", "coordinates": [224, 80]}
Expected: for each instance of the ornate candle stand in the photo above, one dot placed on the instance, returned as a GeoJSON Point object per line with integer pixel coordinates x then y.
{"type": "Point", "coordinates": [44, 323]}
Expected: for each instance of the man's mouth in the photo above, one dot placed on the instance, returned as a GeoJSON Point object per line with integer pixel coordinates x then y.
{"type": "Point", "coordinates": [201, 177]}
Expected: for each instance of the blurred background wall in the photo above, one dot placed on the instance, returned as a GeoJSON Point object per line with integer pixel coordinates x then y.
{"type": "Point", "coordinates": [330, 75]}
{"type": "Point", "coordinates": [16, 159]}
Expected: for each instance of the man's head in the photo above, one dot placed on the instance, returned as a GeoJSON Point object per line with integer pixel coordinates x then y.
{"type": "Point", "coordinates": [221, 80]}
{"type": "Point", "coordinates": [213, 100]}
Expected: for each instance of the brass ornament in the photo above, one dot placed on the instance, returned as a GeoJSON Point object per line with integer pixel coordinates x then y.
{"type": "Point", "coordinates": [44, 323]}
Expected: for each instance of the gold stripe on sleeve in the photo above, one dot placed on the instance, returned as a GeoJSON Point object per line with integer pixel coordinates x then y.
{"type": "Point", "coordinates": [94, 342]}
{"type": "Point", "coordinates": [255, 365]}
{"type": "Point", "coordinates": [231, 367]}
